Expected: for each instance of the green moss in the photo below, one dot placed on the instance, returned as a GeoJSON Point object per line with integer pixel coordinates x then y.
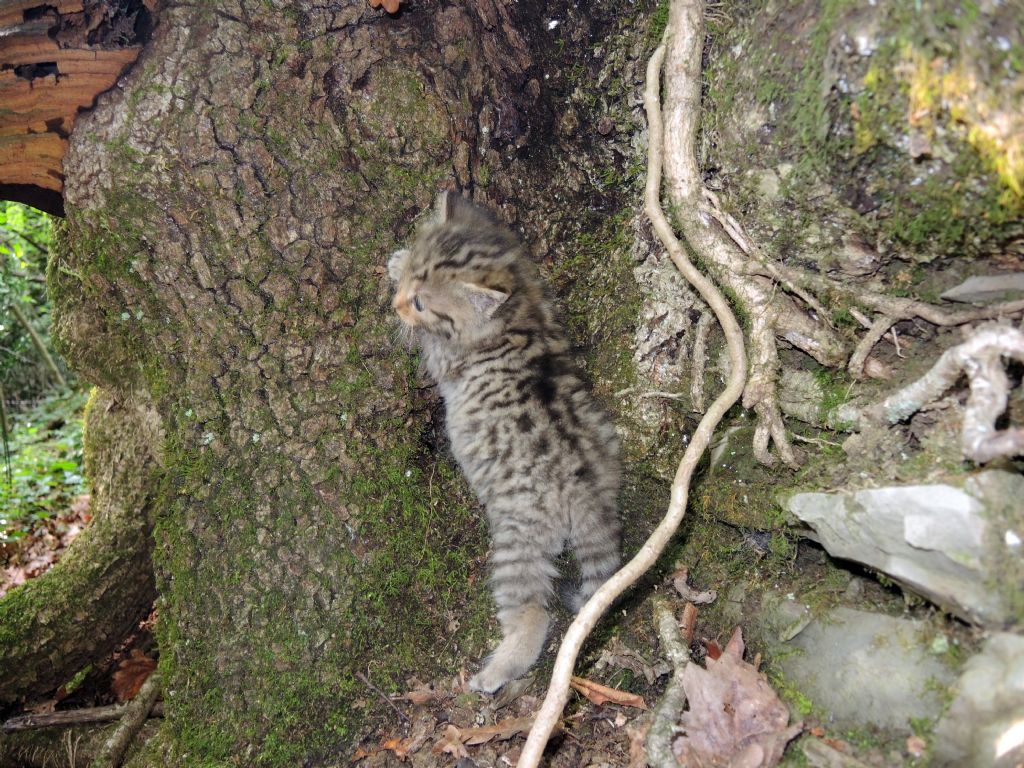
{"type": "Point", "coordinates": [658, 22]}
{"type": "Point", "coordinates": [601, 299]}
{"type": "Point", "coordinates": [796, 699]}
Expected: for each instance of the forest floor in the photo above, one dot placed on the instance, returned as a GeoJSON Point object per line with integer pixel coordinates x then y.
{"type": "Point", "coordinates": [624, 674]}
{"type": "Point", "coordinates": [722, 562]}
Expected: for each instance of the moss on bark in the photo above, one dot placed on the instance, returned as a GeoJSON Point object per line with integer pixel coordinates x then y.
{"type": "Point", "coordinates": [79, 610]}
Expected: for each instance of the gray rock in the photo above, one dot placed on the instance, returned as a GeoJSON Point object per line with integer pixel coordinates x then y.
{"type": "Point", "coordinates": [862, 669]}
{"type": "Point", "coordinates": [982, 288]}
{"type": "Point", "coordinates": [960, 547]}
{"type": "Point", "coordinates": [984, 726]}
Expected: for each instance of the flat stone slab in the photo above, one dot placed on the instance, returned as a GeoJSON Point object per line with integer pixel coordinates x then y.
{"type": "Point", "coordinates": [866, 669]}
{"type": "Point", "coordinates": [960, 546]}
{"type": "Point", "coordinates": [986, 288]}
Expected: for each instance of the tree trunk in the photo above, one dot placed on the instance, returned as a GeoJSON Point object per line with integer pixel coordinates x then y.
{"type": "Point", "coordinates": [230, 209]}
{"type": "Point", "coordinates": [78, 611]}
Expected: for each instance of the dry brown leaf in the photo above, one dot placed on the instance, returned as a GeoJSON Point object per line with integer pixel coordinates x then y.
{"type": "Point", "coordinates": [688, 623]}
{"type": "Point", "coordinates": [618, 654]}
{"type": "Point", "coordinates": [421, 694]}
{"type": "Point", "coordinates": [735, 718]}
{"type": "Point", "coordinates": [391, 6]}
{"type": "Point", "coordinates": [916, 746]}
{"type": "Point", "coordinates": [361, 753]}
{"type": "Point", "coordinates": [451, 743]}
{"type": "Point", "coordinates": [637, 733]}
{"type": "Point", "coordinates": [131, 674]}
{"type": "Point", "coordinates": [398, 746]}
{"type": "Point", "coordinates": [712, 649]}
{"type": "Point", "coordinates": [42, 707]}
{"type": "Point", "coordinates": [503, 730]}
{"type": "Point", "coordinates": [602, 694]}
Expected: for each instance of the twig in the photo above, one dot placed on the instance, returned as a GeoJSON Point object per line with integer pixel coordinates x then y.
{"type": "Point", "coordinates": [666, 714]}
{"type": "Point", "coordinates": [896, 342]}
{"type": "Point", "coordinates": [896, 306]}
{"type": "Point", "coordinates": [685, 32]}
{"type": "Point", "coordinates": [382, 695]}
{"type": "Point", "coordinates": [37, 342]}
{"type": "Point", "coordinates": [135, 713]}
{"type": "Point", "coordinates": [68, 717]}
{"type": "Point", "coordinates": [815, 440]}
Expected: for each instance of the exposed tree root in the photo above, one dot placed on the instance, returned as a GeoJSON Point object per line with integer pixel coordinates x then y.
{"type": "Point", "coordinates": [767, 293]}
{"type": "Point", "coordinates": [980, 359]}
{"type": "Point", "coordinates": [684, 37]}
{"type": "Point", "coordinates": [135, 714]}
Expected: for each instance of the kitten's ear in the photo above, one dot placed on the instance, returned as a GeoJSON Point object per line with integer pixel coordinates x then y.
{"type": "Point", "coordinates": [397, 263]}
{"type": "Point", "coordinates": [484, 300]}
{"type": "Point", "coordinates": [453, 207]}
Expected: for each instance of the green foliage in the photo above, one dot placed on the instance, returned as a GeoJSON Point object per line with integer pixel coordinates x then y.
{"type": "Point", "coordinates": [24, 241]}
{"type": "Point", "coordinates": [45, 462]}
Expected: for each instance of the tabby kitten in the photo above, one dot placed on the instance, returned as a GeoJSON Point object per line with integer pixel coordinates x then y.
{"type": "Point", "coordinates": [540, 454]}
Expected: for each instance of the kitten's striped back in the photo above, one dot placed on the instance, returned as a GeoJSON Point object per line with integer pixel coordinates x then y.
{"type": "Point", "coordinates": [534, 445]}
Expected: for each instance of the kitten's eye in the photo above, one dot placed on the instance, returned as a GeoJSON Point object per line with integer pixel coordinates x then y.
{"type": "Point", "coordinates": [416, 303]}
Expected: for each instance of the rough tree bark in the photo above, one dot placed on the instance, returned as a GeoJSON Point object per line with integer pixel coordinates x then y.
{"type": "Point", "coordinates": [230, 206]}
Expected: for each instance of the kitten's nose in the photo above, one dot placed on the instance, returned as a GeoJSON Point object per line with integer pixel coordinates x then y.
{"type": "Point", "coordinates": [401, 301]}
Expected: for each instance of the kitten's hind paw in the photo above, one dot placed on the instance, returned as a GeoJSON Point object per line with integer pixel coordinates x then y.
{"type": "Point", "coordinates": [484, 683]}
{"type": "Point", "coordinates": [496, 672]}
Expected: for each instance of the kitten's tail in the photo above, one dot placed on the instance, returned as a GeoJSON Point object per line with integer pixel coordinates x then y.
{"type": "Point", "coordinates": [595, 542]}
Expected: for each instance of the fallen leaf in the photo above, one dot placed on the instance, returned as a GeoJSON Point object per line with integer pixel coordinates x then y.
{"type": "Point", "coordinates": [451, 743]}
{"type": "Point", "coordinates": [361, 753]}
{"type": "Point", "coordinates": [503, 730]}
{"type": "Point", "coordinates": [688, 623]}
{"type": "Point", "coordinates": [637, 732]}
{"type": "Point", "coordinates": [618, 654]}
{"type": "Point", "coordinates": [713, 649]}
{"type": "Point", "coordinates": [398, 746]}
{"type": "Point", "coordinates": [391, 6]}
{"type": "Point", "coordinates": [131, 674]}
{"type": "Point", "coordinates": [421, 694]}
{"type": "Point", "coordinates": [43, 707]}
{"type": "Point", "coordinates": [735, 718]}
{"type": "Point", "coordinates": [602, 694]}
{"type": "Point", "coordinates": [916, 746]}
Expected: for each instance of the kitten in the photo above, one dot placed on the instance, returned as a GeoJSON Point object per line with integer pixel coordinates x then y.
{"type": "Point", "coordinates": [540, 454]}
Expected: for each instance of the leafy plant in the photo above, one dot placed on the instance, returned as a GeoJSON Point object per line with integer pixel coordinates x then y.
{"type": "Point", "coordinates": [45, 465]}
{"type": "Point", "coordinates": [26, 364]}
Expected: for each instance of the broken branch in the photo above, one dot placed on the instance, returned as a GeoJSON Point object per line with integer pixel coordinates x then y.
{"type": "Point", "coordinates": [666, 715]}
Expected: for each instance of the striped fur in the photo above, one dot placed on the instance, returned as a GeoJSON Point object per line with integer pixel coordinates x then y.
{"type": "Point", "coordinates": [540, 454]}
